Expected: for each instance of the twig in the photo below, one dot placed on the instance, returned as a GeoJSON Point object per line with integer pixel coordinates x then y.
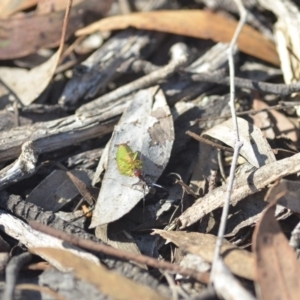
{"type": "Point", "coordinates": [179, 59]}
{"type": "Point", "coordinates": [64, 29]}
{"type": "Point", "coordinates": [238, 144]}
{"type": "Point", "coordinates": [260, 86]}
{"type": "Point", "coordinates": [281, 105]}
{"type": "Point", "coordinates": [142, 259]}
{"type": "Point", "coordinates": [208, 142]}
{"type": "Point", "coordinates": [221, 166]}
{"type": "Point", "coordinates": [11, 274]}
{"type": "Point", "coordinates": [59, 133]}
{"type": "Point", "coordinates": [23, 167]}
{"type": "Point", "coordinates": [245, 185]}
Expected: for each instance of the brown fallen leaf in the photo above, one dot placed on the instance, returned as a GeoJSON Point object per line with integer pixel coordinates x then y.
{"type": "Point", "coordinates": [25, 35]}
{"type": "Point", "coordinates": [194, 23]}
{"type": "Point", "coordinates": [277, 268]}
{"type": "Point", "coordinates": [290, 198]}
{"type": "Point", "coordinates": [33, 82]}
{"type": "Point", "coordinates": [239, 261]}
{"type": "Point", "coordinates": [109, 283]}
{"type": "Point", "coordinates": [8, 7]}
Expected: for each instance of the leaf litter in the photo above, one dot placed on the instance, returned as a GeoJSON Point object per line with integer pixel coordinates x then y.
{"type": "Point", "coordinates": [146, 126]}
{"type": "Point", "coordinates": [150, 121]}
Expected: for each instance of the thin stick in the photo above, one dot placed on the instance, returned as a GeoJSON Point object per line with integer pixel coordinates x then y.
{"type": "Point", "coordinates": [281, 105]}
{"type": "Point", "coordinates": [64, 29]}
{"type": "Point", "coordinates": [208, 142]}
{"type": "Point", "coordinates": [143, 259]}
{"type": "Point", "coordinates": [238, 143]}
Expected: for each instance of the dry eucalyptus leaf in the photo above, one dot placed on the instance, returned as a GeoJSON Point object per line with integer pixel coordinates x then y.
{"type": "Point", "coordinates": [290, 197]}
{"type": "Point", "coordinates": [277, 267]}
{"type": "Point", "coordinates": [147, 127]}
{"type": "Point", "coordinates": [256, 150]}
{"type": "Point", "coordinates": [32, 31]}
{"type": "Point", "coordinates": [28, 85]}
{"type": "Point", "coordinates": [8, 7]}
{"type": "Point", "coordinates": [239, 261]}
{"type": "Point", "coordinates": [248, 211]}
{"type": "Point", "coordinates": [108, 282]}
{"type": "Point", "coordinates": [194, 23]}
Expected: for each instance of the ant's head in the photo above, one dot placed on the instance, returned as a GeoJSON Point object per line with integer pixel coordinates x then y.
{"type": "Point", "coordinates": [137, 173]}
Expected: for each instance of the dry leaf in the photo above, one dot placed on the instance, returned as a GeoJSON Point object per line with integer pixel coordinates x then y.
{"type": "Point", "coordinates": [255, 148]}
{"type": "Point", "coordinates": [108, 282]}
{"type": "Point", "coordinates": [8, 7]}
{"type": "Point", "coordinates": [290, 197]}
{"type": "Point", "coordinates": [146, 126]}
{"type": "Point", "coordinates": [28, 85]}
{"type": "Point", "coordinates": [277, 268]}
{"type": "Point", "coordinates": [194, 23]}
{"type": "Point", "coordinates": [239, 261]}
{"type": "Point", "coordinates": [25, 35]}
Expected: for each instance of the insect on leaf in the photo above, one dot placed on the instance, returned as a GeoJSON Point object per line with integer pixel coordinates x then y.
{"type": "Point", "coordinates": [128, 162]}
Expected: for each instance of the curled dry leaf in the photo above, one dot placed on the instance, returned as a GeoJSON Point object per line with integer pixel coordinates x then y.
{"type": "Point", "coordinates": [277, 268]}
{"type": "Point", "coordinates": [146, 126]}
{"type": "Point", "coordinates": [194, 23]}
{"type": "Point", "coordinates": [109, 283]}
{"type": "Point", "coordinates": [255, 148]}
{"type": "Point", "coordinates": [239, 261]}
